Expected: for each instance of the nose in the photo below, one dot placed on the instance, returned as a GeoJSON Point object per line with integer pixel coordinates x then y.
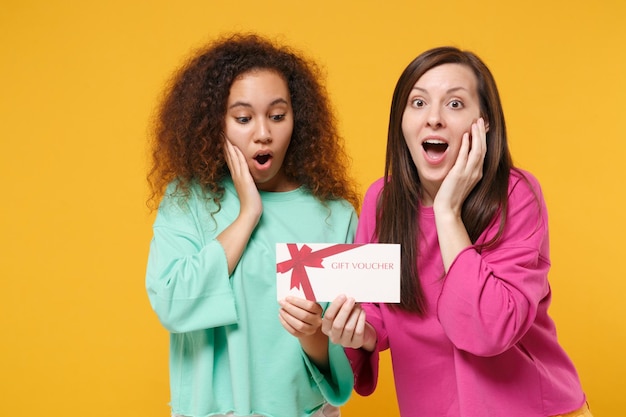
{"type": "Point", "coordinates": [263, 133]}
{"type": "Point", "coordinates": [435, 118]}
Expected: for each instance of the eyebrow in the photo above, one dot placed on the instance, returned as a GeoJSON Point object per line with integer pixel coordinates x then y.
{"type": "Point", "coordinates": [450, 90]}
{"type": "Point", "coordinates": [246, 104]}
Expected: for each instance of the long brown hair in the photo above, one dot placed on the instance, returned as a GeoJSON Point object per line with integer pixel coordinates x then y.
{"type": "Point", "coordinates": [397, 210]}
{"type": "Point", "coordinates": [187, 141]}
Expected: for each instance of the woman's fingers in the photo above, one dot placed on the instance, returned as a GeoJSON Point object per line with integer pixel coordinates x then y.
{"type": "Point", "coordinates": [479, 147]}
{"type": "Point", "coordinates": [243, 181]}
{"type": "Point", "coordinates": [235, 160]}
{"type": "Point", "coordinates": [344, 322]}
{"type": "Point", "coordinates": [332, 321]}
{"type": "Point", "coordinates": [300, 316]}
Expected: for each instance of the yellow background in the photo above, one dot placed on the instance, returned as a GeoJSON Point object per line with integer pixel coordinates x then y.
{"type": "Point", "coordinates": [79, 81]}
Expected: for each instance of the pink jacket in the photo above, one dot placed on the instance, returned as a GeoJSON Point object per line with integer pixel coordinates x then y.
{"type": "Point", "coordinates": [486, 345]}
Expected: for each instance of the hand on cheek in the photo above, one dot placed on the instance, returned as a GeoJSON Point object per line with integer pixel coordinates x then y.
{"type": "Point", "coordinates": [467, 170]}
{"type": "Point", "coordinates": [244, 183]}
{"type": "Point", "coordinates": [478, 147]}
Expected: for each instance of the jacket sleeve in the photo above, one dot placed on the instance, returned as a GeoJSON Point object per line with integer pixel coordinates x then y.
{"type": "Point", "coordinates": [490, 297]}
{"type": "Point", "coordinates": [187, 278]}
{"type": "Point", "coordinates": [338, 388]}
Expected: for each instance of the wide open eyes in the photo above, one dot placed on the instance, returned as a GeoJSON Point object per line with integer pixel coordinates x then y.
{"type": "Point", "coordinates": [418, 103]}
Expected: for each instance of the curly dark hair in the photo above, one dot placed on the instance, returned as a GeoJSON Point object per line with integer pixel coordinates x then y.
{"type": "Point", "coordinates": [187, 137]}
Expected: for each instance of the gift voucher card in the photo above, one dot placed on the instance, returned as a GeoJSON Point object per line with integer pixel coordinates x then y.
{"type": "Point", "coordinates": [320, 272]}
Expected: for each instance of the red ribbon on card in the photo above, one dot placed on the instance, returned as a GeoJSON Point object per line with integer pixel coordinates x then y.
{"type": "Point", "coordinates": [303, 257]}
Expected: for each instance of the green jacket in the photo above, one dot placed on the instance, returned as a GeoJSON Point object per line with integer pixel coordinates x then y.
{"type": "Point", "coordinates": [228, 350]}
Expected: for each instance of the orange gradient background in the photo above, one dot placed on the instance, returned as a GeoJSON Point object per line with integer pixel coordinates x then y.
{"type": "Point", "coordinates": [79, 82]}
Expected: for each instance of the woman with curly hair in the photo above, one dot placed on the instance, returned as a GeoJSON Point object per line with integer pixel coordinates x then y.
{"type": "Point", "coordinates": [246, 154]}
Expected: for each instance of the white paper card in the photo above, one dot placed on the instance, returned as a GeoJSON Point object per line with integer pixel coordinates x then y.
{"type": "Point", "coordinates": [318, 271]}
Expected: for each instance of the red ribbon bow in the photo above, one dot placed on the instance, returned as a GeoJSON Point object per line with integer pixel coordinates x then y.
{"type": "Point", "coordinates": [303, 257]}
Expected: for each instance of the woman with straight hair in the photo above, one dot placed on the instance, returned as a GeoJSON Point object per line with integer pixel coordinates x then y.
{"type": "Point", "coordinates": [471, 336]}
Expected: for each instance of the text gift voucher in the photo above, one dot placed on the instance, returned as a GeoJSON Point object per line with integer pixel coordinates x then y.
{"type": "Point", "coordinates": [320, 272]}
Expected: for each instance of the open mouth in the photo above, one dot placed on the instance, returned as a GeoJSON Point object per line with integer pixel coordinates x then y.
{"type": "Point", "coordinates": [434, 148]}
{"type": "Point", "coordinates": [262, 158]}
